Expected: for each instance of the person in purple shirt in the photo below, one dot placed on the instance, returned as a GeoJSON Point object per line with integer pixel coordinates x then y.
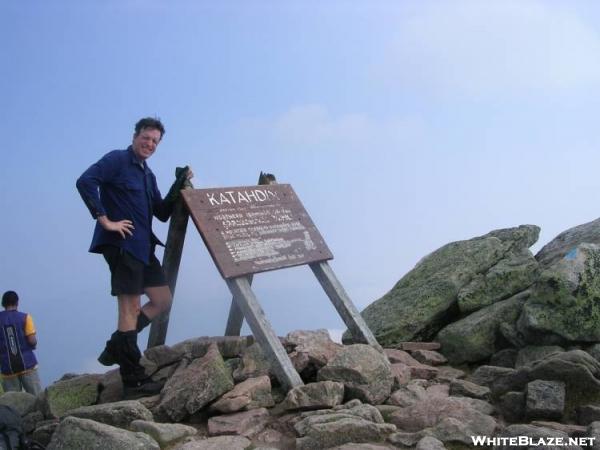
{"type": "Point", "coordinates": [121, 193]}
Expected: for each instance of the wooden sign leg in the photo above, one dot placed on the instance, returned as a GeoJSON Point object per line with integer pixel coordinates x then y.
{"type": "Point", "coordinates": [346, 309]}
{"type": "Point", "coordinates": [236, 317]}
{"type": "Point", "coordinates": [263, 332]}
{"type": "Point", "coordinates": [171, 261]}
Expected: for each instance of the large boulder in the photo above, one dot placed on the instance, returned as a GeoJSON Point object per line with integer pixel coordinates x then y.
{"type": "Point", "coordinates": [365, 373]}
{"type": "Point", "coordinates": [71, 393]}
{"type": "Point", "coordinates": [476, 337]}
{"type": "Point", "coordinates": [563, 306]}
{"type": "Point", "coordinates": [77, 434]}
{"type": "Point", "coordinates": [426, 299]}
{"type": "Point", "coordinates": [196, 384]}
{"type": "Point", "coordinates": [118, 414]}
{"type": "Point", "coordinates": [562, 244]}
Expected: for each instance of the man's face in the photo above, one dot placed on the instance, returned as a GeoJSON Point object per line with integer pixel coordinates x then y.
{"type": "Point", "coordinates": [145, 143]}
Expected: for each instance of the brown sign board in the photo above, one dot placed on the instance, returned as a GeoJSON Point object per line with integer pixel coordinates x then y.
{"type": "Point", "coordinates": [251, 229]}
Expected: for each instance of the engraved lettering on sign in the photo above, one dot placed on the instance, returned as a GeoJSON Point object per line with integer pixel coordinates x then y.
{"type": "Point", "coordinates": [253, 229]}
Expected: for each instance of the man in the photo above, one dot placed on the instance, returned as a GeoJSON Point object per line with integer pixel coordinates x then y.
{"type": "Point", "coordinates": [121, 193]}
{"type": "Point", "coordinates": [17, 343]}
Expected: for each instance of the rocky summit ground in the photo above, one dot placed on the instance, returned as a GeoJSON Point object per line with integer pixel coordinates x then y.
{"type": "Point", "coordinates": [482, 340]}
{"type": "Point", "coordinates": [220, 394]}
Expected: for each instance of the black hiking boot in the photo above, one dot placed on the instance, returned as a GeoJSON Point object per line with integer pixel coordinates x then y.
{"type": "Point", "coordinates": [106, 358]}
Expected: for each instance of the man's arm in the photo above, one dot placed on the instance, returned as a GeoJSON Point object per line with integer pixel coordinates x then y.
{"type": "Point", "coordinates": [163, 208]}
{"type": "Point", "coordinates": [88, 185]}
{"type": "Point", "coordinates": [30, 334]}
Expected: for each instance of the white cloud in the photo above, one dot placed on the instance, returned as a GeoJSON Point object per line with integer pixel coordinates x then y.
{"type": "Point", "coordinates": [487, 47]}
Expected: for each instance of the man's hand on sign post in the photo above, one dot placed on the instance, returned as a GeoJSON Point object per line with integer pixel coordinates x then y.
{"type": "Point", "coordinates": [122, 227]}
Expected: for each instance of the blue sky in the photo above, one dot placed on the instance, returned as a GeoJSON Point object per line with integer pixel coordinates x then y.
{"type": "Point", "coordinates": [401, 126]}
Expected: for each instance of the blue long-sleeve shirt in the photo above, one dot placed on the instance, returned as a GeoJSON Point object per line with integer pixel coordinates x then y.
{"type": "Point", "coordinates": [123, 188]}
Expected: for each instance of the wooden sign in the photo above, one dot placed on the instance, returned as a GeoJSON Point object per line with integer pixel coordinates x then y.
{"type": "Point", "coordinates": [253, 229]}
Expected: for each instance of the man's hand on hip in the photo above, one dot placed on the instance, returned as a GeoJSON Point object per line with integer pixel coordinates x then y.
{"type": "Point", "coordinates": [123, 227]}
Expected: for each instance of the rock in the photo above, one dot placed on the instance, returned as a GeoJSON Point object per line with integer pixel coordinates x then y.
{"type": "Point", "coordinates": [164, 433]}
{"type": "Point", "coordinates": [249, 394]}
{"type": "Point", "coordinates": [387, 410]}
{"type": "Point", "coordinates": [405, 439]}
{"type": "Point", "coordinates": [545, 399]}
{"type": "Point", "coordinates": [429, 357]}
{"type": "Point", "coordinates": [365, 373]}
{"type": "Point", "coordinates": [254, 364]}
{"type": "Point", "coordinates": [430, 443]}
{"type": "Point", "coordinates": [586, 414]}
{"type": "Point", "coordinates": [563, 306]}
{"type": "Point", "coordinates": [310, 350]}
{"type": "Point", "coordinates": [409, 346]}
{"type": "Point", "coordinates": [423, 372]}
{"type": "Point", "coordinates": [71, 393]}
{"type": "Point", "coordinates": [500, 379]}
{"type": "Point", "coordinates": [196, 384]}
{"type": "Point", "coordinates": [77, 434]}
{"type": "Point", "coordinates": [564, 243]}
{"type": "Point", "coordinates": [429, 412]}
{"type": "Point", "coordinates": [323, 431]}
{"type": "Point", "coordinates": [245, 423]}
{"type": "Point", "coordinates": [508, 277]}
{"type": "Point", "coordinates": [570, 429]}
{"type": "Point", "coordinates": [30, 421]}
{"type": "Point", "coordinates": [353, 408]}
{"type": "Point", "coordinates": [593, 431]}
{"type": "Point", "coordinates": [594, 351]}
{"type": "Point", "coordinates": [463, 388]}
{"type": "Point", "coordinates": [531, 354]}
{"type": "Point", "coordinates": [407, 395]}
{"type": "Point", "coordinates": [576, 368]}
{"type": "Point", "coordinates": [353, 446]}
{"type": "Point", "coordinates": [401, 373]}
{"type": "Point", "coordinates": [451, 429]}
{"type": "Point", "coordinates": [43, 433]}
{"type": "Point", "coordinates": [229, 346]}
{"type": "Point", "coordinates": [512, 406]}
{"type": "Point", "coordinates": [425, 299]}
{"type": "Point", "coordinates": [110, 387]}
{"type": "Point", "coordinates": [447, 373]}
{"type": "Point", "coordinates": [21, 402]}
{"type": "Point", "coordinates": [321, 395]}
{"type": "Point", "coordinates": [504, 358]}
{"type": "Point", "coordinates": [218, 443]}
{"type": "Point", "coordinates": [119, 414]}
{"type": "Point", "coordinates": [400, 357]}
{"type": "Point", "coordinates": [475, 337]}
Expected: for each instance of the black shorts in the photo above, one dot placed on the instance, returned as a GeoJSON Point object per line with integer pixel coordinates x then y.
{"type": "Point", "coordinates": [130, 276]}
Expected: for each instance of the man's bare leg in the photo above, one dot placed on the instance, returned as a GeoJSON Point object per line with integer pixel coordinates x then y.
{"type": "Point", "coordinates": [160, 300]}
{"type": "Point", "coordinates": [129, 309]}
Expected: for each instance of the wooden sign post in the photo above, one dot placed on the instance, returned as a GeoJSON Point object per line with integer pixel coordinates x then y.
{"type": "Point", "coordinates": [253, 229]}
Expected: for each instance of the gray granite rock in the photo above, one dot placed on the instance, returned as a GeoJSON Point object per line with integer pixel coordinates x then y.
{"type": "Point", "coordinates": [164, 433]}
{"type": "Point", "coordinates": [320, 395]}
{"type": "Point", "coordinates": [545, 399]}
{"type": "Point", "coordinates": [246, 423]}
{"type": "Point", "coordinates": [218, 443]}
{"type": "Point", "coordinates": [76, 434]}
{"type": "Point", "coordinates": [463, 388]}
{"type": "Point", "coordinates": [249, 394]}
{"type": "Point", "coordinates": [119, 414]}
{"type": "Point", "coordinates": [196, 384]}
{"type": "Point", "coordinates": [22, 402]}
{"type": "Point", "coordinates": [71, 393]}
{"type": "Point", "coordinates": [365, 373]}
